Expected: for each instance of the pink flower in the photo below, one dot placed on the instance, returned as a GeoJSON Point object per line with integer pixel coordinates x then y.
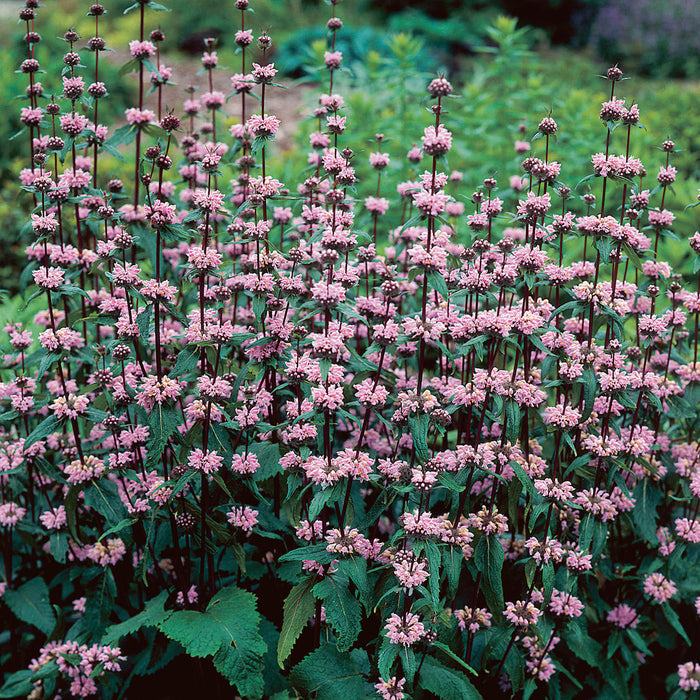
{"type": "Point", "coordinates": [406, 630]}
{"type": "Point", "coordinates": [244, 517]}
{"type": "Point", "coordinates": [11, 514]}
{"type": "Point", "coordinates": [264, 74]}
{"type": "Point", "coordinates": [333, 59]}
{"type": "Point", "coordinates": [689, 676]}
{"type": "Point", "coordinates": [107, 554]}
{"type": "Point", "coordinates": [436, 142]}
{"type": "Point", "coordinates": [522, 613]}
{"type": "Point", "coordinates": [391, 689]}
{"type": "Point", "coordinates": [658, 587]}
{"type": "Point", "coordinates": [565, 604]}
{"type": "Point", "coordinates": [137, 116]}
{"type": "Point", "coordinates": [623, 616]}
{"type": "Point", "coordinates": [142, 49]}
{"type": "Point", "coordinates": [263, 127]}
{"type": "Point", "coordinates": [48, 278]}
{"type": "Point", "coordinates": [377, 205]}
{"type": "Point", "coordinates": [209, 462]}
{"type": "Point", "coordinates": [245, 464]}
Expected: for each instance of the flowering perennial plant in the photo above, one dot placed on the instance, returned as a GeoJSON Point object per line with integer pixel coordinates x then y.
{"type": "Point", "coordinates": [255, 428]}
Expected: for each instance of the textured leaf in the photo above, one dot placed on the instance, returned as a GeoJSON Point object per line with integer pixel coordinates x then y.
{"type": "Point", "coordinates": [446, 683]}
{"type": "Point", "coordinates": [675, 622]}
{"type": "Point", "coordinates": [163, 423]}
{"type": "Point", "coordinates": [30, 603]}
{"type": "Point", "coordinates": [418, 427]}
{"type": "Point", "coordinates": [387, 655]}
{"type": "Point", "coordinates": [355, 567]}
{"type": "Point", "coordinates": [489, 558]}
{"type": "Point", "coordinates": [299, 606]}
{"type": "Point", "coordinates": [240, 659]}
{"type": "Point", "coordinates": [342, 608]}
{"type": "Point", "coordinates": [153, 613]}
{"type": "Point", "coordinates": [313, 552]}
{"type": "Point", "coordinates": [452, 558]}
{"type": "Point", "coordinates": [186, 361]}
{"type": "Point", "coordinates": [590, 386]}
{"type": "Point", "coordinates": [228, 631]}
{"type": "Point", "coordinates": [646, 500]}
{"type": "Point", "coordinates": [103, 497]}
{"type": "Point", "coordinates": [329, 674]}
{"type": "Point", "coordinates": [49, 425]}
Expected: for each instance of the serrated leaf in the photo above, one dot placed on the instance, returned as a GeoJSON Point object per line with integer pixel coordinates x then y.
{"type": "Point", "coordinates": [103, 497]}
{"type": "Point", "coordinates": [355, 567]}
{"type": "Point", "coordinates": [228, 631]}
{"type": "Point", "coordinates": [163, 422]}
{"type": "Point", "coordinates": [30, 603]}
{"type": "Point", "coordinates": [186, 361]}
{"type": "Point", "coordinates": [646, 500]}
{"type": "Point", "coordinates": [329, 674]}
{"type": "Point", "coordinates": [418, 427]}
{"type": "Point", "coordinates": [672, 616]}
{"type": "Point", "coordinates": [150, 616]}
{"type": "Point", "coordinates": [49, 425]}
{"type": "Point", "coordinates": [299, 606]}
{"type": "Point", "coordinates": [342, 608]}
{"type": "Point", "coordinates": [489, 557]}
{"type": "Point", "coordinates": [590, 386]}
{"type": "Point", "coordinates": [444, 682]}
{"type": "Point", "coordinates": [240, 658]}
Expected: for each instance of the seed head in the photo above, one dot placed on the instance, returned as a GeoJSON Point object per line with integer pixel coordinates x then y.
{"type": "Point", "coordinates": [439, 87]}
{"type": "Point", "coordinates": [547, 126]}
{"type": "Point", "coordinates": [614, 73]}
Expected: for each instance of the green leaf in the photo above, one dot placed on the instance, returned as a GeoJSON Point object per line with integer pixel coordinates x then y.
{"type": "Point", "coordinates": [49, 425]}
{"type": "Point", "coordinates": [672, 616]}
{"type": "Point", "coordinates": [387, 655]}
{"type": "Point", "coordinates": [18, 684]}
{"type": "Point", "coordinates": [330, 674]}
{"type": "Point", "coordinates": [452, 558]}
{"type": "Point", "coordinates": [143, 321]}
{"type": "Point", "coordinates": [71, 504]}
{"type": "Point", "coordinates": [590, 385]}
{"type": "Point", "coordinates": [313, 552]}
{"type": "Point", "coordinates": [299, 606]}
{"type": "Point", "coordinates": [186, 361]}
{"type": "Point", "coordinates": [511, 412]}
{"type": "Point", "coordinates": [578, 641]}
{"type": "Point", "coordinates": [31, 604]}
{"type": "Point", "coordinates": [437, 282]}
{"type": "Point", "coordinates": [647, 498]}
{"type": "Point", "coordinates": [163, 422]}
{"type": "Point", "coordinates": [585, 532]}
{"type": "Point", "coordinates": [342, 608]}
{"type": "Point", "coordinates": [228, 631]}
{"type": "Point", "coordinates": [103, 497]}
{"type": "Point", "coordinates": [150, 616]}
{"type": "Point", "coordinates": [408, 663]}
{"type": "Point", "coordinates": [240, 659]}
{"type": "Point", "coordinates": [458, 660]}
{"type": "Point", "coordinates": [444, 682]}
{"type": "Point", "coordinates": [418, 428]}
{"type": "Point", "coordinates": [489, 557]}
{"type": "Point", "coordinates": [355, 567]}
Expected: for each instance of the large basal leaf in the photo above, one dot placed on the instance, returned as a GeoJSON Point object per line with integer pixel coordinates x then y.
{"type": "Point", "coordinates": [446, 683]}
{"type": "Point", "coordinates": [330, 674]}
{"type": "Point", "coordinates": [228, 630]}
